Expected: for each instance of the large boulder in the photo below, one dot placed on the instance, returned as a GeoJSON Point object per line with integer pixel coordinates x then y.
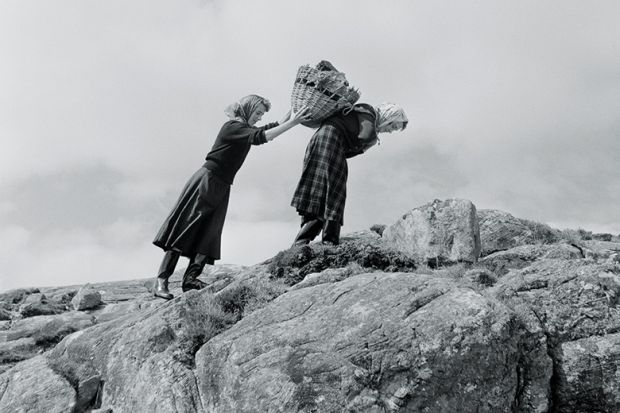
{"type": "Point", "coordinates": [438, 233]}
{"type": "Point", "coordinates": [373, 343]}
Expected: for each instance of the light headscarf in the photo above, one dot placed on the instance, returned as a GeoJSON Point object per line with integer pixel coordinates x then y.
{"type": "Point", "coordinates": [388, 113]}
{"type": "Point", "coordinates": [244, 108]}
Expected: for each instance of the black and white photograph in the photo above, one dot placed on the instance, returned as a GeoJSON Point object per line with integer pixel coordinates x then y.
{"type": "Point", "coordinates": [327, 206]}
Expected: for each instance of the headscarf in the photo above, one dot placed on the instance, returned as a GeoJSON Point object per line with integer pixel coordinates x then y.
{"type": "Point", "coordinates": [244, 108]}
{"type": "Point", "coordinates": [388, 113]}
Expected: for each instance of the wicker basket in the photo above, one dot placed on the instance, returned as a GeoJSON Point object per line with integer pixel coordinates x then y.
{"type": "Point", "coordinates": [324, 92]}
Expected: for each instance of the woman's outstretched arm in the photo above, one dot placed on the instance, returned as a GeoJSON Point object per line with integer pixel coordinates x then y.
{"type": "Point", "coordinates": [295, 118]}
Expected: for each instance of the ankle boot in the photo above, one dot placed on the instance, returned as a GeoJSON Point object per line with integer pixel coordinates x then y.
{"type": "Point", "coordinates": [161, 289]}
{"type": "Point", "coordinates": [194, 269]}
{"type": "Point", "coordinates": [331, 233]}
{"type": "Point", "coordinates": [309, 230]}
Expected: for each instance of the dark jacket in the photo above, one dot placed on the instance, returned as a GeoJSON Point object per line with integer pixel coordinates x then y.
{"type": "Point", "coordinates": [231, 147]}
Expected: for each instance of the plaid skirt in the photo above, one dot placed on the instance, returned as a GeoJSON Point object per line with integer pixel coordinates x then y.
{"type": "Point", "coordinates": [196, 221]}
{"type": "Point", "coordinates": [322, 188]}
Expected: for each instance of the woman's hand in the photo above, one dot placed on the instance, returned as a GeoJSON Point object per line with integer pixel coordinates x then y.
{"type": "Point", "coordinates": [302, 115]}
{"type": "Point", "coordinates": [294, 118]}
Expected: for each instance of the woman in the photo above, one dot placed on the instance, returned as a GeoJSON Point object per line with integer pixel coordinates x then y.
{"type": "Point", "coordinates": [194, 227]}
{"type": "Point", "coordinates": [321, 191]}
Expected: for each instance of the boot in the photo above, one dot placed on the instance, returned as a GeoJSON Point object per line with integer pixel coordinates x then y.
{"type": "Point", "coordinates": [194, 269]}
{"type": "Point", "coordinates": [161, 289]}
{"type": "Point", "coordinates": [166, 269]}
{"type": "Point", "coordinates": [331, 233]}
{"type": "Point", "coordinates": [310, 228]}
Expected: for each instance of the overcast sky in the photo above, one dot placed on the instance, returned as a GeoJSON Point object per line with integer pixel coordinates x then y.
{"type": "Point", "coordinates": [108, 107]}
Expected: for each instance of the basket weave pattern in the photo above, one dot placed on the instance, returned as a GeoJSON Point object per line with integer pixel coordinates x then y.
{"type": "Point", "coordinates": [324, 92]}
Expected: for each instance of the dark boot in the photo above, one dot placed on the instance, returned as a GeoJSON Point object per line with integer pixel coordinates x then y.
{"type": "Point", "coordinates": [161, 289]}
{"type": "Point", "coordinates": [168, 264]}
{"type": "Point", "coordinates": [331, 233]}
{"type": "Point", "coordinates": [310, 228]}
{"type": "Point", "coordinates": [194, 269]}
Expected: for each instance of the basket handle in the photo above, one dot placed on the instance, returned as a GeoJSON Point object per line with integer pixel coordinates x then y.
{"type": "Point", "coordinates": [347, 109]}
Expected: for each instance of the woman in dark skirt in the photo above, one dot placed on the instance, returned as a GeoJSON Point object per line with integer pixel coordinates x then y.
{"type": "Point", "coordinates": [194, 227]}
{"type": "Point", "coordinates": [321, 192]}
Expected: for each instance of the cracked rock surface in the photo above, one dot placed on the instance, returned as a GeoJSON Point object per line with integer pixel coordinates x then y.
{"type": "Point", "coordinates": [533, 326]}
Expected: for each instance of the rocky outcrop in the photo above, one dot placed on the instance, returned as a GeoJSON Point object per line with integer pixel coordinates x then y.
{"type": "Point", "coordinates": [364, 326]}
{"type": "Point", "coordinates": [376, 342]}
{"type": "Point", "coordinates": [438, 233]}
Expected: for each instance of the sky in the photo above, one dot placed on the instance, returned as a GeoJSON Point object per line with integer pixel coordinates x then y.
{"type": "Point", "coordinates": [108, 107]}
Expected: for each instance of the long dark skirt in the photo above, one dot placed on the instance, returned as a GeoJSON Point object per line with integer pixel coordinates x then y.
{"type": "Point", "coordinates": [196, 221]}
{"type": "Point", "coordinates": [322, 188]}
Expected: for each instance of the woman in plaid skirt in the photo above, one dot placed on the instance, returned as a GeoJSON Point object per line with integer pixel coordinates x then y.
{"type": "Point", "coordinates": [193, 228]}
{"type": "Point", "coordinates": [321, 192]}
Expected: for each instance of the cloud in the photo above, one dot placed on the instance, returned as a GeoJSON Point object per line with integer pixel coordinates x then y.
{"type": "Point", "coordinates": [105, 116]}
{"type": "Point", "coordinates": [77, 256]}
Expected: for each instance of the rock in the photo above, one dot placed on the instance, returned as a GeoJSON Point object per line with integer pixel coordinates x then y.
{"type": "Point", "coordinates": [614, 259]}
{"type": "Point", "coordinates": [438, 233]}
{"type": "Point", "coordinates": [602, 237]}
{"type": "Point", "coordinates": [47, 328]}
{"type": "Point", "coordinates": [600, 250]}
{"type": "Point", "coordinates": [87, 393]}
{"type": "Point", "coordinates": [587, 377]}
{"type": "Point", "coordinates": [501, 231]}
{"type": "Point", "coordinates": [330, 275]}
{"type": "Point", "coordinates": [30, 336]}
{"type": "Point", "coordinates": [38, 304]}
{"type": "Point", "coordinates": [16, 296]}
{"type": "Point", "coordinates": [5, 314]}
{"type": "Point", "coordinates": [31, 386]}
{"type": "Point", "coordinates": [573, 299]}
{"type": "Point", "coordinates": [86, 298]}
{"type": "Point", "coordinates": [378, 341]}
{"type": "Point", "coordinates": [12, 352]}
{"type": "Point", "coordinates": [145, 358]}
{"type": "Point", "coordinates": [520, 257]}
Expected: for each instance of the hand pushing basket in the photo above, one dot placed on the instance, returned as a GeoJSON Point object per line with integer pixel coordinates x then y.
{"type": "Point", "coordinates": [324, 90]}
